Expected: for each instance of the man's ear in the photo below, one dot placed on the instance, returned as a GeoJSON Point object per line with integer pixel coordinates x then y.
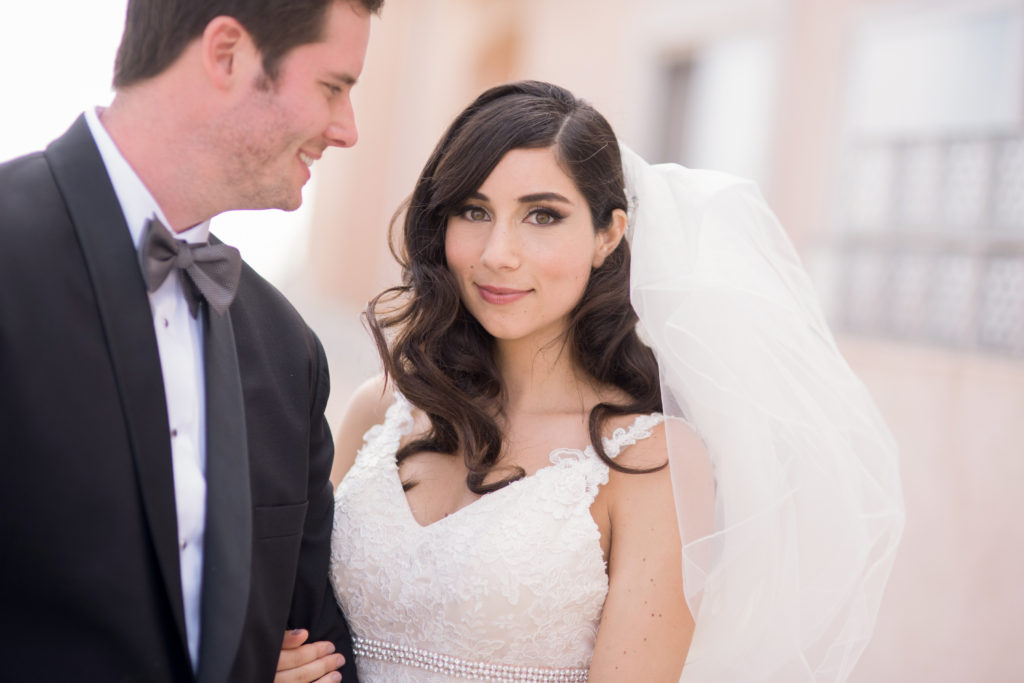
{"type": "Point", "coordinates": [228, 52]}
{"type": "Point", "coordinates": [609, 238]}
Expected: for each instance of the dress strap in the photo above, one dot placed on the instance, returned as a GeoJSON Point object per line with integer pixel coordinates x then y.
{"type": "Point", "coordinates": [399, 414]}
{"type": "Point", "coordinates": [622, 438]}
{"type": "Point", "coordinates": [383, 439]}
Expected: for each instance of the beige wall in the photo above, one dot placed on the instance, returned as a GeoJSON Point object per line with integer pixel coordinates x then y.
{"type": "Point", "coordinates": [954, 610]}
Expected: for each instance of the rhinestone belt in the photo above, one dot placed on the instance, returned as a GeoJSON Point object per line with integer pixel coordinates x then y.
{"type": "Point", "coordinates": [463, 668]}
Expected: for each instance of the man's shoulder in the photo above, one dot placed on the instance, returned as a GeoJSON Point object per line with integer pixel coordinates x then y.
{"type": "Point", "coordinates": [18, 164]}
{"type": "Point", "coordinates": [254, 288]}
{"type": "Point", "coordinates": [33, 187]}
{"type": "Point", "coordinates": [273, 339]}
{"type": "Point", "coordinates": [30, 200]}
{"type": "Point", "coordinates": [263, 309]}
{"type": "Point", "coordinates": [34, 167]}
{"type": "Point", "coordinates": [24, 173]}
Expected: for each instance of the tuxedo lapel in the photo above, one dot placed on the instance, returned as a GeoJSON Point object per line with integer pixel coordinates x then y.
{"type": "Point", "coordinates": [127, 322]}
{"type": "Point", "coordinates": [227, 551]}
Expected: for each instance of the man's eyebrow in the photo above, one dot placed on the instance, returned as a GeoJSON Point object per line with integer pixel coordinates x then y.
{"type": "Point", "coordinates": [343, 78]}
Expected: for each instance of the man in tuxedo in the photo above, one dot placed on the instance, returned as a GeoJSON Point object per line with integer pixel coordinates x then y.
{"type": "Point", "coordinates": [165, 509]}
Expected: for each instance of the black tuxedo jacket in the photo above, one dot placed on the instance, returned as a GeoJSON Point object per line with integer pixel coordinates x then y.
{"type": "Point", "coordinates": [90, 587]}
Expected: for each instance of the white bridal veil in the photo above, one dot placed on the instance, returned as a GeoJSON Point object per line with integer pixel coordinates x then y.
{"type": "Point", "coordinates": [790, 527]}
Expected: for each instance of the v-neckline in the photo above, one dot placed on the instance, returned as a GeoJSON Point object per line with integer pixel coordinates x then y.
{"type": "Point", "coordinates": [518, 482]}
{"type": "Point", "coordinates": [581, 455]}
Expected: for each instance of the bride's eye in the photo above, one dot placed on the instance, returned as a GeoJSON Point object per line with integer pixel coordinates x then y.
{"type": "Point", "coordinates": [542, 216]}
{"type": "Point", "coordinates": [473, 213]}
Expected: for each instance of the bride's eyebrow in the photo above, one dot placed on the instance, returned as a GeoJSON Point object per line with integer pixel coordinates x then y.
{"type": "Point", "coordinates": [528, 198]}
{"type": "Point", "coordinates": [543, 197]}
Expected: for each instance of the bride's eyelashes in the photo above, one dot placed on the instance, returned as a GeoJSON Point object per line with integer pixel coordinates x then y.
{"type": "Point", "coordinates": [538, 215]}
{"type": "Point", "coordinates": [544, 215]}
{"type": "Point", "coordinates": [472, 213]}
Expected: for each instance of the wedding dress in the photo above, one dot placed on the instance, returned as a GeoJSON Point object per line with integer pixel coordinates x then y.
{"type": "Point", "coordinates": [508, 588]}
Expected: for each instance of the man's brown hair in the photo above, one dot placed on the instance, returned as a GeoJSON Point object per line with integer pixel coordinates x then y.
{"type": "Point", "coordinates": [156, 32]}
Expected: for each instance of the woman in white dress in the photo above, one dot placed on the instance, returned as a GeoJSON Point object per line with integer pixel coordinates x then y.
{"type": "Point", "coordinates": [513, 348]}
{"type": "Point", "coordinates": [504, 509]}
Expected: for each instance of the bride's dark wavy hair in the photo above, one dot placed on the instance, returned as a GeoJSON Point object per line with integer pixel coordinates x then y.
{"type": "Point", "coordinates": [435, 351]}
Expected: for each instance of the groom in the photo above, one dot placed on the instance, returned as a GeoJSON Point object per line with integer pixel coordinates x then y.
{"type": "Point", "coordinates": [165, 511]}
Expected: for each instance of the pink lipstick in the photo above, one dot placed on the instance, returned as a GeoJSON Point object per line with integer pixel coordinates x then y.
{"type": "Point", "coordinates": [501, 295]}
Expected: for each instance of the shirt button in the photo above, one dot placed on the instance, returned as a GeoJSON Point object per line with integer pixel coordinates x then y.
{"type": "Point", "coordinates": [174, 433]}
{"type": "Point", "coordinates": [184, 544]}
{"type": "Point", "coordinates": [166, 322]}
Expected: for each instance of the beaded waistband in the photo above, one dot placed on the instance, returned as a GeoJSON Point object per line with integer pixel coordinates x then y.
{"type": "Point", "coordinates": [462, 668]}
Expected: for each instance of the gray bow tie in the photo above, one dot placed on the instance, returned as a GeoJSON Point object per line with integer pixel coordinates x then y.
{"type": "Point", "coordinates": [211, 270]}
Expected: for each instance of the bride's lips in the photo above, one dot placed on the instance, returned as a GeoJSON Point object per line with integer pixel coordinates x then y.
{"type": "Point", "coordinates": [501, 295]}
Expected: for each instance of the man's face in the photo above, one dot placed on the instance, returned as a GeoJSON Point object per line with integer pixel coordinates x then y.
{"type": "Point", "coordinates": [279, 128]}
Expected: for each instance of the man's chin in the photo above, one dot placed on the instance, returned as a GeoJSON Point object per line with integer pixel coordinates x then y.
{"type": "Point", "coordinates": [293, 198]}
{"type": "Point", "coordinates": [270, 197]}
{"type": "Point", "coordinates": [286, 201]}
{"type": "Point", "coordinates": [290, 205]}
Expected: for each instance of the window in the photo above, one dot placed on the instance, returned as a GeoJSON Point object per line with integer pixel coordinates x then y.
{"type": "Point", "coordinates": [929, 239]}
{"type": "Point", "coordinates": [719, 106]}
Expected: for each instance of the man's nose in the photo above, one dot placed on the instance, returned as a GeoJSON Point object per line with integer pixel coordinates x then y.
{"type": "Point", "coordinates": [341, 131]}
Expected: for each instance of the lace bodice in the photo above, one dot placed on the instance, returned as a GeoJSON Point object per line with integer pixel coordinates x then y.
{"type": "Point", "coordinates": [507, 588]}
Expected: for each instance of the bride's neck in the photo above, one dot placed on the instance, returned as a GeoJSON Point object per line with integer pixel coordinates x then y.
{"type": "Point", "coordinates": [543, 379]}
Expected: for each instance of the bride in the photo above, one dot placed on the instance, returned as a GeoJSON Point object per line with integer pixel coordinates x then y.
{"type": "Point", "coordinates": [505, 508]}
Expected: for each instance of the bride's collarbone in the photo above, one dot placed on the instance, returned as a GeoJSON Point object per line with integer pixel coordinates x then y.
{"type": "Point", "coordinates": [436, 486]}
{"type": "Point", "coordinates": [529, 442]}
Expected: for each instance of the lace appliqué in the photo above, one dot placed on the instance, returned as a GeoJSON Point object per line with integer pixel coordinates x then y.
{"type": "Point", "coordinates": [516, 579]}
{"type": "Point", "coordinates": [620, 439]}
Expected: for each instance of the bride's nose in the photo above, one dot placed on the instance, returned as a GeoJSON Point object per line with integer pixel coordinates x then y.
{"type": "Point", "coordinates": [503, 249]}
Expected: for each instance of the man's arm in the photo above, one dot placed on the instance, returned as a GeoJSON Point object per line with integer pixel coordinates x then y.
{"type": "Point", "coordinates": [313, 605]}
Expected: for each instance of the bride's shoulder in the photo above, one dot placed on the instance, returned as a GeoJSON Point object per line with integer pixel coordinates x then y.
{"type": "Point", "coordinates": [370, 402]}
{"type": "Point", "coordinates": [367, 407]}
{"type": "Point", "coordinates": [643, 440]}
{"type": "Point", "coordinates": [638, 502]}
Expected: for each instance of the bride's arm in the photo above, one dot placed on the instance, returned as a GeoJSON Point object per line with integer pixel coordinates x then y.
{"type": "Point", "coordinates": [645, 628]}
{"type": "Point", "coordinates": [365, 409]}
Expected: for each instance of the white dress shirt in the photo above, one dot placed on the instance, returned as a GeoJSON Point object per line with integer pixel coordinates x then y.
{"type": "Point", "coordinates": [179, 339]}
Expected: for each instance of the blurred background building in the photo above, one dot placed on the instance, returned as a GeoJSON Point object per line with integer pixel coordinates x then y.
{"type": "Point", "coordinates": [887, 134]}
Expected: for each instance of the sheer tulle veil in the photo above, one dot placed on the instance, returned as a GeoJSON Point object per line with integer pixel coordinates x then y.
{"type": "Point", "coordinates": [790, 526]}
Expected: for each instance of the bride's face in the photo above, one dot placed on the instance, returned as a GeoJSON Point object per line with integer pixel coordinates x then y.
{"type": "Point", "coordinates": [522, 248]}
